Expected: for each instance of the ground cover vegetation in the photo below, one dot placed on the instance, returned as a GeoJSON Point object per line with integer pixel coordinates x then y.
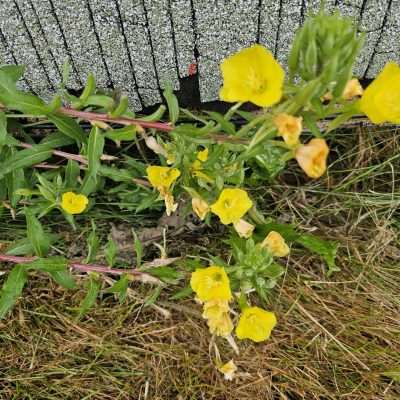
{"type": "Point", "coordinates": [125, 237]}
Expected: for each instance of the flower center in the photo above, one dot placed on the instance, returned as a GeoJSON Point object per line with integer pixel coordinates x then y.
{"type": "Point", "coordinates": [255, 82]}
{"type": "Point", "coordinates": [228, 203]}
{"type": "Point", "coordinates": [217, 277]}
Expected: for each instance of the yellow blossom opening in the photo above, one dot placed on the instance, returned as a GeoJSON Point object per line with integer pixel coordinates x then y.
{"type": "Point", "coordinates": [312, 157]}
{"type": "Point", "coordinates": [289, 127]}
{"type": "Point", "coordinates": [255, 324]}
{"type": "Point", "coordinates": [231, 205]}
{"type": "Point", "coordinates": [352, 89]}
{"type": "Point", "coordinates": [243, 228]}
{"type": "Point", "coordinates": [381, 100]}
{"type": "Point", "coordinates": [228, 369]}
{"type": "Point", "coordinates": [197, 166]}
{"type": "Point", "coordinates": [276, 244]}
{"type": "Point", "coordinates": [200, 207]}
{"type": "Point", "coordinates": [252, 74]}
{"type": "Point", "coordinates": [162, 178]}
{"type": "Point", "coordinates": [73, 203]}
{"type": "Point", "coordinates": [211, 283]}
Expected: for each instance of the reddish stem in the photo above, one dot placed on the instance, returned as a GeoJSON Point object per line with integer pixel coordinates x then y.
{"type": "Point", "coordinates": [91, 116]}
{"type": "Point", "coordinates": [78, 266]}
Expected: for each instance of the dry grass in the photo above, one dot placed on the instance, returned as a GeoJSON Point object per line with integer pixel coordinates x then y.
{"type": "Point", "coordinates": [337, 338]}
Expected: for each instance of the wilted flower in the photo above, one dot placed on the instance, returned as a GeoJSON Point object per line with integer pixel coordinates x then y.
{"type": "Point", "coordinates": [162, 178]}
{"type": "Point", "coordinates": [73, 203]}
{"type": "Point", "coordinates": [253, 75]}
{"type": "Point", "coordinates": [231, 205]}
{"type": "Point", "coordinates": [211, 283]}
{"type": "Point", "coordinates": [275, 244]}
{"type": "Point", "coordinates": [312, 157]}
{"type": "Point", "coordinates": [255, 324]}
{"type": "Point", "coordinates": [170, 205]}
{"type": "Point", "coordinates": [200, 207]}
{"type": "Point", "coordinates": [243, 228]}
{"type": "Point", "coordinates": [289, 127]}
{"type": "Point", "coordinates": [228, 369]}
{"type": "Point", "coordinates": [381, 100]}
{"type": "Point", "coordinates": [216, 312]}
{"type": "Point", "coordinates": [352, 89]}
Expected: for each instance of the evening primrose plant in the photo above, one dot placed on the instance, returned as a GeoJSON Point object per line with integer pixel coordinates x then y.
{"type": "Point", "coordinates": [203, 165]}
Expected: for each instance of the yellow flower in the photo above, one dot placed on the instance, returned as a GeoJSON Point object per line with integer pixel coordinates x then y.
{"type": "Point", "coordinates": [231, 205]}
{"type": "Point", "coordinates": [228, 369]}
{"type": "Point", "coordinates": [197, 165]}
{"type": "Point", "coordinates": [243, 228]}
{"type": "Point", "coordinates": [200, 207]}
{"type": "Point", "coordinates": [221, 326]}
{"type": "Point", "coordinates": [170, 206]}
{"type": "Point", "coordinates": [312, 157]}
{"type": "Point", "coordinates": [162, 178]}
{"type": "Point", "coordinates": [289, 127]}
{"type": "Point", "coordinates": [211, 283]}
{"type": "Point", "coordinates": [73, 203]}
{"type": "Point", "coordinates": [203, 155]}
{"type": "Point", "coordinates": [255, 324]}
{"type": "Point", "coordinates": [253, 75]}
{"type": "Point", "coordinates": [275, 244]}
{"type": "Point", "coordinates": [352, 89]}
{"type": "Point", "coordinates": [215, 309]}
{"type": "Point", "coordinates": [381, 100]}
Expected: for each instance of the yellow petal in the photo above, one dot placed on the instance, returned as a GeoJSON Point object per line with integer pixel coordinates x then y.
{"type": "Point", "coordinates": [252, 74]}
{"type": "Point", "coordinates": [231, 205]}
{"type": "Point", "coordinates": [352, 89]}
{"type": "Point", "coordinates": [243, 228]}
{"type": "Point", "coordinates": [200, 207]}
{"type": "Point", "coordinates": [255, 324]}
{"type": "Point", "coordinates": [228, 369]}
{"type": "Point", "coordinates": [215, 308]}
{"type": "Point", "coordinates": [203, 155]}
{"type": "Point", "coordinates": [276, 244]}
{"type": "Point", "coordinates": [221, 326]}
{"type": "Point", "coordinates": [312, 157]}
{"type": "Point", "coordinates": [162, 178]}
{"type": "Point", "coordinates": [289, 127]}
{"type": "Point", "coordinates": [211, 283]}
{"type": "Point", "coordinates": [73, 203]}
{"type": "Point", "coordinates": [381, 100]}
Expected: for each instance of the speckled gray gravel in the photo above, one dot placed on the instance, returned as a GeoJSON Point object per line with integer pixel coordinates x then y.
{"type": "Point", "coordinates": [139, 46]}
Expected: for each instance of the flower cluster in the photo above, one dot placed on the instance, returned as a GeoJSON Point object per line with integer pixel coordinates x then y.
{"type": "Point", "coordinates": [212, 288]}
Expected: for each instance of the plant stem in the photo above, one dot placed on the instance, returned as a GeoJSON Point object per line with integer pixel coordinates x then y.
{"type": "Point", "coordinates": [91, 116]}
{"type": "Point", "coordinates": [84, 267]}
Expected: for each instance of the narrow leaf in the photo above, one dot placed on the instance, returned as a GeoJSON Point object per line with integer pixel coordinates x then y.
{"type": "Point", "coordinates": [69, 127]}
{"type": "Point", "coordinates": [93, 288]}
{"type": "Point", "coordinates": [38, 238]}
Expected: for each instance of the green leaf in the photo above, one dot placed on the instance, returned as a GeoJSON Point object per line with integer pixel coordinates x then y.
{"type": "Point", "coordinates": [95, 150]}
{"type": "Point", "coordinates": [65, 72]}
{"type": "Point", "coordinates": [156, 116]}
{"type": "Point", "coordinates": [172, 103]}
{"type": "Point", "coordinates": [3, 128]}
{"type": "Point", "coordinates": [100, 101]}
{"type": "Point", "coordinates": [12, 289]}
{"type": "Point", "coordinates": [57, 139]}
{"type": "Point", "coordinates": [14, 72]}
{"type": "Point", "coordinates": [64, 279]}
{"type": "Point", "coordinates": [89, 88]}
{"type": "Point", "coordinates": [25, 158]}
{"type": "Point", "coordinates": [49, 264]}
{"type": "Point", "coordinates": [93, 244]}
{"type": "Point", "coordinates": [166, 274]}
{"type": "Point", "coordinates": [394, 375]}
{"type": "Point", "coordinates": [72, 172]}
{"type": "Point", "coordinates": [326, 249]}
{"type": "Point", "coordinates": [123, 134]}
{"type": "Point", "coordinates": [152, 298]}
{"type": "Point", "coordinates": [226, 126]}
{"type": "Point", "coordinates": [69, 127]}
{"type": "Point", "coordinates": [138, 249]}
{"type": "Point", "coordinates": [274, 271]}
{"type": "Point", "coordinates": [22, 247]}
{"type": "Point", "coordinates": [120, 287]}
{"type": "Point", "coordinates": [93, 286]}
{"type": "Point", "coordinates": [39, 240]}
{"type": "Point", "coordinates": [122, 107]}
{"type": "Point", "coordinates": [183, 293]}
{"type": "Point", "coordinates": [110, 252]}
